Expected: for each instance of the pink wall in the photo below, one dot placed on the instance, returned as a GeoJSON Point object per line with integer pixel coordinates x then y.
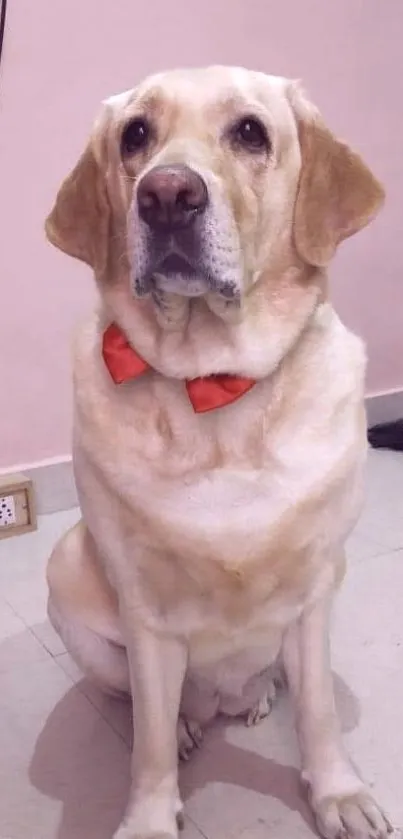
{"type": "Point", "coordinates": [61, 58]}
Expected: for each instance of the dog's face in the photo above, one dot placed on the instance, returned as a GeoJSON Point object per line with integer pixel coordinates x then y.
{"type": "Point", "coordinates": [199, 183]}
{"type": "Point", "coordinates": [214, 160]}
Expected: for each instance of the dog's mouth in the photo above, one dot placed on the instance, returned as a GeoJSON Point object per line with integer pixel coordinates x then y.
{"type": "Point", "coordinates": [178, 274]}
{"type": "Point", "coordinates": [174, 264]}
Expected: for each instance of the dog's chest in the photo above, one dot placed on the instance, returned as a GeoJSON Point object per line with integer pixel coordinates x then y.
{"type": "Point", "coordinates": [214, 515]}
{"type": "Point", "coordinates": [219, 537]}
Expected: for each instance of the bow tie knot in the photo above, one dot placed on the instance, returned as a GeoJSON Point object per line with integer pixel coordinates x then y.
{"type": "Point", "coordinates": [205, 393]}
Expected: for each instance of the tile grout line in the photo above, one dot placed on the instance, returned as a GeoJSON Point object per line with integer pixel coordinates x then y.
{"type": "Point", "coordinates": [54, 658]}
{"type": "Point", "coordinates": [384, 552]}
{"type": "Point", "coordinates": [30, 628]}
{"type": "Point", "coordinates": [82, 693]}
{"type": "Point", "coordinates": [190, 819]}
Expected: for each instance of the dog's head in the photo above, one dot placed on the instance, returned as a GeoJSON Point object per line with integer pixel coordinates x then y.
{"type": "Point", "coordinates": [197, 183]}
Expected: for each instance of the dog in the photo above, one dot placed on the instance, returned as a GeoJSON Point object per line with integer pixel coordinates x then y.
{"type": "Point", "coordinates": [219, 430]}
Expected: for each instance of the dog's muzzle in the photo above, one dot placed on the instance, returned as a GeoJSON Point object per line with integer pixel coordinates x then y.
{"type": "Point", "coordinates": [171, 224]}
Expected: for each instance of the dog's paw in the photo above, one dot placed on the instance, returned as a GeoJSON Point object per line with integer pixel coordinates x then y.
{"type": "Point", "coordinates": [125, 832]}
{"type": "Point", "coordinates": [263, 708]}
{"type": "Point", "coordinates": [352, 817]}
{"type": "Point", "coordinates": [189, 736]}
{"type": "Point", "coordinates": [129, 831]}
{"type": "Point", "coordinates": [153, 817]}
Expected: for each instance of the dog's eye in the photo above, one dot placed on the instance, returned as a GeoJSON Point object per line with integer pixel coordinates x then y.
{"type": "Point", "coordinates": [135, 136]}
{"type": "Point", "coordinates": [250, 133]}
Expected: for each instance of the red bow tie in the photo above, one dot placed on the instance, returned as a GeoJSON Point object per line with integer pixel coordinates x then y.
{"type": "Point", "coordinates": [205, 394]}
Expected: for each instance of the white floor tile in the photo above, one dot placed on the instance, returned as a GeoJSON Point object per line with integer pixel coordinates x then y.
{"type": "Point", "coordinates": [117, 712]}
{"type": "Point", "coordinates": [18, 646]}
{"type": "Point", "coordinates": [23, 564]}
{"type": "Point", "coordinates": [63, 771]}
{"type": "Point", "coordinates": [360, 547]}
{"type": "Point", "coordinates": [382, 519]}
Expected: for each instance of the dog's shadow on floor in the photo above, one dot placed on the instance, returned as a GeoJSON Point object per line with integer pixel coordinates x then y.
{"type": "Point", "coordinates": [79, 761]}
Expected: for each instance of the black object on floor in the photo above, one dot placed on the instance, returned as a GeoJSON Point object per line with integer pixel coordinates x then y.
{"type": "Point", "coordinates": [387, 435]}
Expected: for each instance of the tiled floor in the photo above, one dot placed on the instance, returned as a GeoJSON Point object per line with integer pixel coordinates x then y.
{"type": "Point", "coordinates": [64, 748]}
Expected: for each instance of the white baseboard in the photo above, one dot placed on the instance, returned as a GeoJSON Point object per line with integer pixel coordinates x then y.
{"type": "Point", "coordinates": [53, 479]}
{"type": "Point", "coordinates": [384, 407]}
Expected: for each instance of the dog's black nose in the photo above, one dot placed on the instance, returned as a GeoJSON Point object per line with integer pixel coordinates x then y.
{"type": "Point", "coordinates": [170, 197]}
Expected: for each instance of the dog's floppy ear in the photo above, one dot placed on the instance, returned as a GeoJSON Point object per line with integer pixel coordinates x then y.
{"type": "Point", "coordinates": [337, 193]}
{"type": "Point", "coordinates": [79, 221]}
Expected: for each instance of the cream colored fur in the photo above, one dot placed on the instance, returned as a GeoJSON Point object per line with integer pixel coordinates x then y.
{"type": "Point", "coordinates": [210, 546]}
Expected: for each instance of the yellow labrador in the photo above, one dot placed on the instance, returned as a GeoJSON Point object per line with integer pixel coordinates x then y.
{"type": "Point", "coordinates": [219, 426]}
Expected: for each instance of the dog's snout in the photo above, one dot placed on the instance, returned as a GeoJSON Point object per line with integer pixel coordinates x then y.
{"type": "Point", "coordinates": [170, 197]}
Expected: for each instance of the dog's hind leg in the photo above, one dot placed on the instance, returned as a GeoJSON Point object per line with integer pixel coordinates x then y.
{"type": "Point", "coordinates": [83, 609]}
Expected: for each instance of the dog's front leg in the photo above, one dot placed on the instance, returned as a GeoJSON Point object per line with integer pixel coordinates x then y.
{"type": "Point", "coordinates": [343, 806]}
{"type": "Point", "coordinates": [157, 667]}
